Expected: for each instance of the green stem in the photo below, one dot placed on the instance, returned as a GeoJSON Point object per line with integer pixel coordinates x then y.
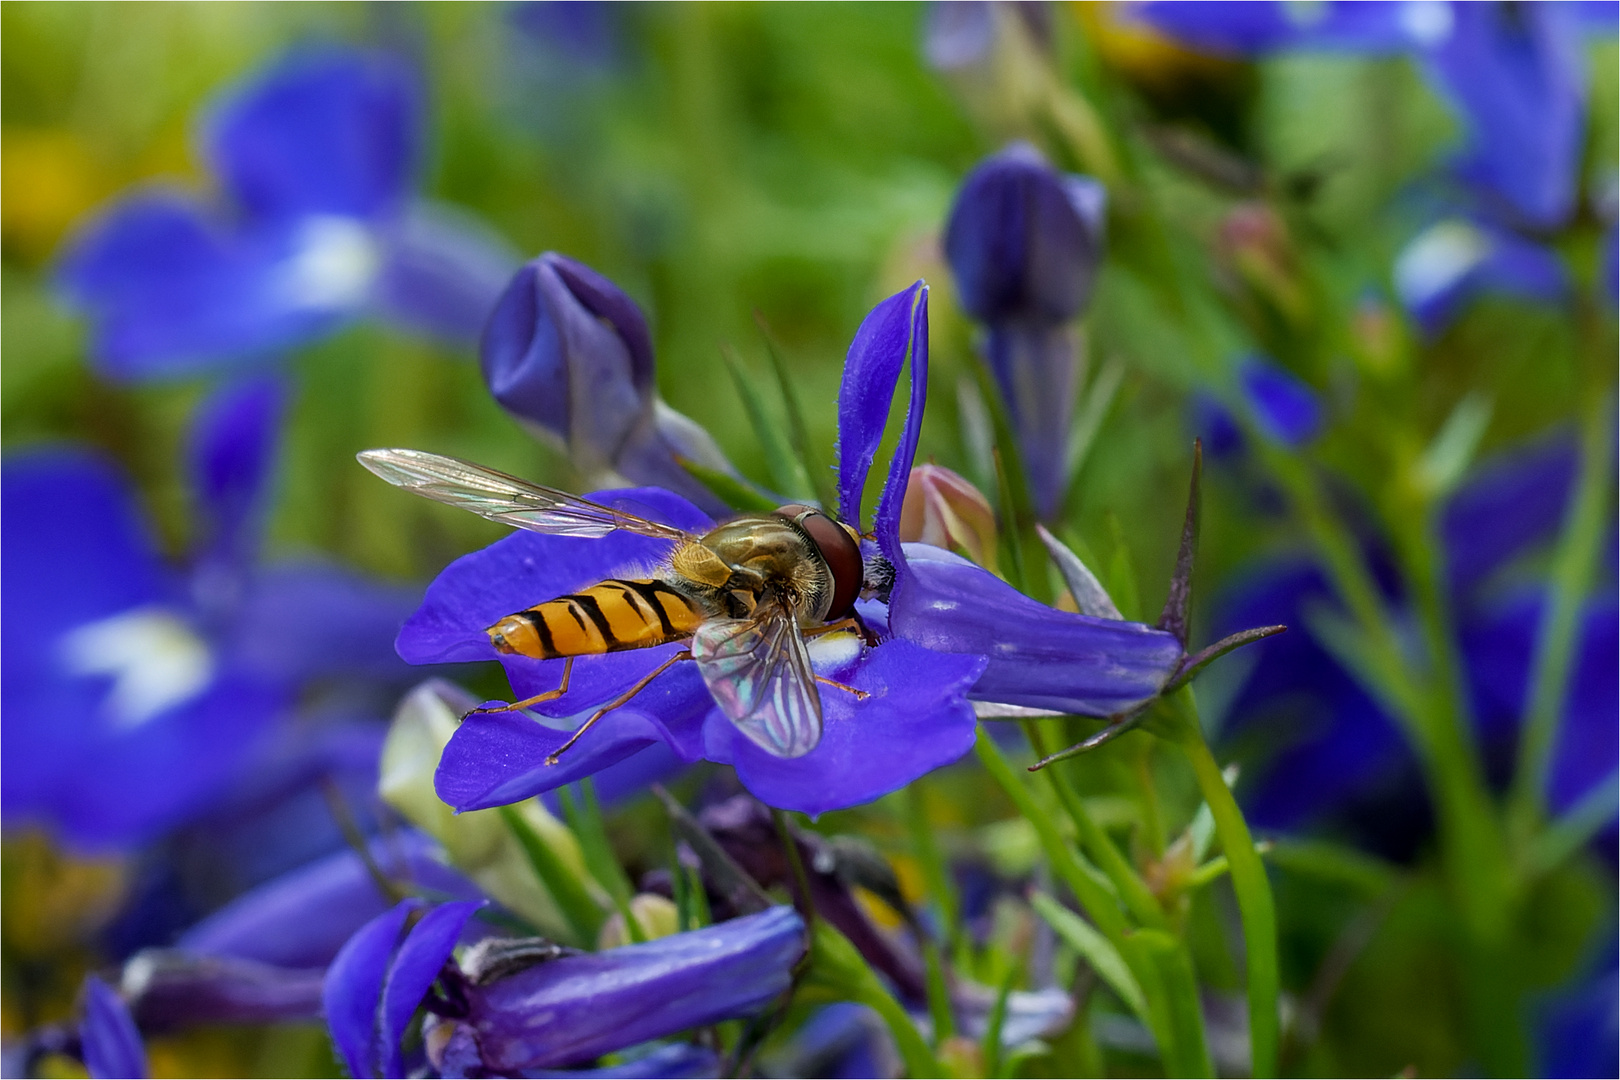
{"type": "Point", "coordinates": [1555, 649]}
{"type": "Point", "coordinates": [1249, 881]}
{"type": "Point", "coordinates": [926, 845]}
{"type": "Point", "coordinates": [583, 915]}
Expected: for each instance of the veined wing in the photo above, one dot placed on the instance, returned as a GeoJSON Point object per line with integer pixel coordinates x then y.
{"type": "Point", "coordinates": [506, 499]}
{"type": "Point", "coordinates": [759, 671]}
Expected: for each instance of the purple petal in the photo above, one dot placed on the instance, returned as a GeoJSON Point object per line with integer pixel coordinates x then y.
{"type": "Point", "coordinates": [414, 968]}
{"type": "Point", "coordinates": [322, 131]}
{"type": "Point", "coordinates": [871, 373]}
{"type": "Point", "coordinates": [169, 292]}
{"type": "Point", "coordinates": [915, 720]}
{"type": "Point", "coordinates": [443, 271]}
{"type": "Point", "coordinates": [496, 759]}
{"type": "Point", "coordinates": [1520, 82]}
{"type": "Point", "coordinates": [307, 619]}
{"type": "Point", "coordinates": [599, 1003]}
{"type": "Point", "coordinates": [1450, 262]}
{"type": "Point", "coordinates": [1256, 27]}
{"type": "Point", "coordinates": [233, 440]}
{"type": "Point", "coordinates": [352, 991]}
{"type": "Point", "coordinates": [301, 919]}
{"type": "Point", "coordinates": [1038, 656]}
{"type": "Point", "coordinates": [172, 989]}
{"type": "Point", "coordinates": [676, 1061]}
{"type": "Point", "coordinates": [111, 1044]}
{"type": "Point", "coordinates": [1285, 407]}
{"type": "Point", "coordinates": [1024, 240]}
{"type": "Point", "coordinates": [1507, 504]}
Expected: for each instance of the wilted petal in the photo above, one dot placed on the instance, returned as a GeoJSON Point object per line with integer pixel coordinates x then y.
{"type": "Point", "coordinates": [576, 1008]}
{"type": "Point", "coordinates": [914, 721]}
{"type": "Point", "coordinates": [943, 508]}
{"type": "Point", "coordinates": [301, 919]}
{"type": "Point", "coordinates": [321, 131]}
{"type": "Point", "coordinates": [1024, 240]}
{"type": "Point", "coordinates": [170, 988]}
{"type": "Point", "coordinates": [111, 1044]}
{"type": "Point", "coordinates": [1285, 407]}
{"type": "Point", "coordinates": [1038, 656]}
{"type": "Point", "coordinates": [443, 271]}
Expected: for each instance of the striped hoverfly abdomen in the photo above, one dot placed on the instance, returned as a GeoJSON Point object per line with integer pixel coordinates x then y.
{"type": "Point", "coordinates": [609, 616]}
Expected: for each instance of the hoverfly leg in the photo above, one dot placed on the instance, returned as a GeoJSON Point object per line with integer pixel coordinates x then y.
{"type": "Point", "coordinates": [684, 654]}
{"type": "Point", "coordinates": [860, 695]}
{"type": "Point", "coordinates": [549, 695]}
{"type": "Point", "coordinates": [849, 622]}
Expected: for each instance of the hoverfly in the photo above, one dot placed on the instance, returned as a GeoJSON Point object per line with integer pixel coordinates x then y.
{"type": "Point", "coordinates": [746, 595]}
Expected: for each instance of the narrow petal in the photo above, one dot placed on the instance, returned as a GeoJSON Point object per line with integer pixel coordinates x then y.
{"type": "Point", "coordinates": [416, 965]}
{"type": "Point", "coordinates": [599, 1003]}
{"type": "Point", "coordinates": [170, 989]}
{"type": "Point", "coordinates": [322, 131]}
{"type": "Point", "coordinates": [914, 720]}
{"type": "Point", "coordinates": [871, 372]}
{"type": "Point", "coordinates": [301, 919]}
{"type": "Point", "coordinates": [352, 992]}
{"type": "Point", "coordinates": [233, 441]}
{"type": "Point", "coordinates": [442, 272]}
{"type": "Point", "coordinates": [111, 1044]}
{"type": "Point", "coordinates": [1038, 656]}
{"type": "Point", "coordinates": [1037, 368]}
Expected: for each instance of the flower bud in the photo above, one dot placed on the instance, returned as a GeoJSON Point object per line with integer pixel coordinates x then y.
{"type": "Point", "coordinates": [1256, 257]}
{"type": "Point", "coordinates": [655, 915]}
{"type": "Point", "coordinates": [1024, 240]}
{"type": "Point", "coordinates": [942, 508]}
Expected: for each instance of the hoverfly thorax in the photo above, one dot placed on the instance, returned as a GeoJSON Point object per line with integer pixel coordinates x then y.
{"type": "Point", "coordinates": [799, 554]}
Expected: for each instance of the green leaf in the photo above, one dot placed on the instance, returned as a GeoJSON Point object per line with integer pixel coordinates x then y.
{"type": "Point", "coordinates": [738, 494]}
{"type": "Point", "coordinates": [1184, 1014]}
{"type": "Point", "coordinates": [1104, 959]}
{"type": "Point", "coordinates": [837, 972]}
{"type": "Point", "coordinates": [818, 480]}
{"type": "Point", "coordinates": [787, 471]}
{"type": "Point", "coordinates": [583, 915]}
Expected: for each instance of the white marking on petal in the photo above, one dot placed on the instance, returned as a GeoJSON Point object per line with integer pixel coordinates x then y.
{"type": "Point", "coordinates": [1437, 259]}
{"type": "Point", "coordinates": [155, 659]}
{"type": "Point", "coordinates": [332, 266]}
{"type": "Point", "coordinates": [1427, 22]}
{"type": "Point", "coordinates": [833, 652]}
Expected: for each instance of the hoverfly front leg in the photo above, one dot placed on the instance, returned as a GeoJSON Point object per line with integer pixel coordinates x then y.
{"type": "Point", "coordinates": [549, 695]}
{"type": "Point", "coordinates": [860, 695]}
{"type": "Point", "coordinates": [850, 622]}
{"type": "Point", "coordinates": [684, 654]}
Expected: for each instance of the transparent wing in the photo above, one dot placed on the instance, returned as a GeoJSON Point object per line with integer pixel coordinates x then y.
{"type": "Point", "coordinates": [759, 671]}
{"type": "Point", "coordinates": [506, 499]}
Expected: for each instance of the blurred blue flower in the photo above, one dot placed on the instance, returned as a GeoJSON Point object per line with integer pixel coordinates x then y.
{"type": "Point", "coordinates": [136, 695]}
{"type": "Point", "coordinates": [110, 1044]}
{"type": "Point", "coordinates": [570, 355]}
{"type": "Point", "coordinates": [316, 158]}
{"type": "Point", "coordinates": [1335, 756]}
{"type": "Point", "coordinates": [1514, 73]}
{"type": "Point", "coordinates": [1024, 243]}
{"type": "Point", "coordinates": [508, 1011]}
{"type": "Point", "coordinates": [1578, 1026]}
{"type": "Point", "coordinates": [1286, 408]}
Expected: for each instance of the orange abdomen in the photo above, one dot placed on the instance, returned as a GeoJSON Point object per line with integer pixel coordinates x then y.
{"type": "Point", "coordinates": [607, 617]}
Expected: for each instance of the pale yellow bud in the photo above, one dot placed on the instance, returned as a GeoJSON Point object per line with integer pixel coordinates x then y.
{"type": "Point", "coordinates": [942, 508]}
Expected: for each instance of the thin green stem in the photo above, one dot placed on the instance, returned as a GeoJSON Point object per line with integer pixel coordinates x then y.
{"type": "Point", "coordinates": [1255, 905]}
{"type": "Point", "coordinates": [1555, 649]}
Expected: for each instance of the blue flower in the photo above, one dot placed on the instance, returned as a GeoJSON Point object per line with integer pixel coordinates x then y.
{"type": "Point", "coordinates": [1337, 756]}
{"type": "Point", "coordinates": [1024, 243]}
{"type": "Point", "coordinates": [110, 1044]}
{"type": "Point", "coordinates": [316, 158]}
{"type": "Point", "coordinates": [135, 695]}
{"type": "Point", "coordinates": [1516, 76]}
{"type": "Point", "coordinates": [509, 1011]}
{"type": "Point", "coordinates": [569, 354]}
{"type": "Point", "coordinates": [1286, 408]}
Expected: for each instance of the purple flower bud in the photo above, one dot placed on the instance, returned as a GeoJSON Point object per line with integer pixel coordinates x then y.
{"type": "Point", "coordinates": [170, 988]}
{"type": "Point", "coordinates": [1024, 240]}
{"type": "Point", "coordinates": [1285, 407]}
{"type": "Point", "coordinates": [568, 353]}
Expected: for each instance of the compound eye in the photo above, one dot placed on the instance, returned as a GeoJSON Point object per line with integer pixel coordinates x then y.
{"type": "Point", "coordinates": [838, 548]}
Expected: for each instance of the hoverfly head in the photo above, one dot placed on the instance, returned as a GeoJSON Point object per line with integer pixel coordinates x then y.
{"type": "Point", "coordinates": [839, 548]}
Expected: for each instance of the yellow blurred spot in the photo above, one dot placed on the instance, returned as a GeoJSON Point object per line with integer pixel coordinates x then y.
{"type": "Point", "coordinates": [49, 177]}
{"type": "Point", "coordinates": [51, 900]}
{"type": "Point", "coordinates": [60, 1067]}
{"type": "Point", "coordinates": [1137, 51]}
{"type": "Point", "coordinates": [879, 912]}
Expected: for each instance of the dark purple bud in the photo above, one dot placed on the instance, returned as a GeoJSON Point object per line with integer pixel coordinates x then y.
{"type": "Point", "coordinates": [170, 988]}
{"type": "Point", "coordinates": [1285, 407]}
{"type": "Point", "coordinates": [1024, 240]}
{"type": "Point", "coordinates": [574, 1009]}
{"type": "Point", "coordinates": [111, 1045]}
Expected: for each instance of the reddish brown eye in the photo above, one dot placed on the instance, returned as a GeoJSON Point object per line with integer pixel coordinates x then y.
{"type": "Point", "coordinates": [840, 549]}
